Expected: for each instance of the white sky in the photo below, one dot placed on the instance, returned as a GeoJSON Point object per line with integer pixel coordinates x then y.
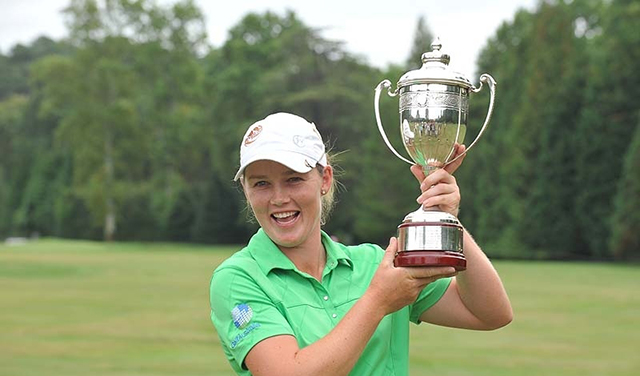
{"type": "Point", "coordinates": [381, 31]}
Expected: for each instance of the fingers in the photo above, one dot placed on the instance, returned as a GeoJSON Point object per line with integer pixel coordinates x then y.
{"type": "Point", "coordinates": [459, 149]}
{"type": "Point", "coordinates": [452, 167]}
{"type": "Point", "coordinates": [429, 274]}
{"type": "Point", "coordinates": [443, 195]}
{"type": "Point", "coordinates": [390, 252]}
{"type": "Point", "coordinates": [440, 189]}
{"type": "Point", "coordinates": [417, 171]}
{"type": "Point", "coordinates": [395, 287]}
{"type": "Point", "coordinates": [437, 177]}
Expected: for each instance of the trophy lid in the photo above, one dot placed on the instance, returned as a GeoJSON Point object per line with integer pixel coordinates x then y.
{"type": "Point", "coordinates": [435, 70]}
{"type": "Point", "coordinates": [430, 216]}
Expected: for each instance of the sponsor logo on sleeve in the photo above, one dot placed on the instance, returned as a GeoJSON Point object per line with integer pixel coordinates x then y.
{"type": "Point", "coordinates": [242, 315]}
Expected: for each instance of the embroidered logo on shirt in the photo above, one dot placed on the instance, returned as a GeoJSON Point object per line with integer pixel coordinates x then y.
{"type": "Point", "coordinates": [244, 334]}
{"type": "Point", "coordinates": [241, 315]}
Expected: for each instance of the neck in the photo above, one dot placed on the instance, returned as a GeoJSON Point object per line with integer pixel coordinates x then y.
{"type": "Point", "coordinates": [309, 258]}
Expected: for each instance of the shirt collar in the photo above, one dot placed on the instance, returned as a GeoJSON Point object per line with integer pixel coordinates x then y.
{"type": "Point", "coordinates": [269, 256]}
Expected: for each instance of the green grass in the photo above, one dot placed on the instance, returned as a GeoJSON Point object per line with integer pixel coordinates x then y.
{"type": "Point", "coordinates": [86, 308]}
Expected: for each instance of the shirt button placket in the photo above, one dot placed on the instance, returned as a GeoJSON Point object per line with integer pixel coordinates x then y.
{"type": "Point", "coordinates": [328, 305]}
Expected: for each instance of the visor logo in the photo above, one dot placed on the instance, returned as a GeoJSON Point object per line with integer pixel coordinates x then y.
{"type": "Point", "coordinates": [301, 141]}
{"type": "Point", "coordinates": [253, 135]}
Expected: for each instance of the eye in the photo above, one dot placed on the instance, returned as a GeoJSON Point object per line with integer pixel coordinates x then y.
{"type": "Point", "coordinates": [295, 179]}
{"type": "Point", "coordinates": [260, 183]}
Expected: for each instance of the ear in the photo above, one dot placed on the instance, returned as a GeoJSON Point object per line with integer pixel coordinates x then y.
{"type": "Point", "coordinates": [327, 178]}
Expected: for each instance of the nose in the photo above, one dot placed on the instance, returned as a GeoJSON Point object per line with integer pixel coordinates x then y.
{"type": "Point", "coordinates": [280, 196]}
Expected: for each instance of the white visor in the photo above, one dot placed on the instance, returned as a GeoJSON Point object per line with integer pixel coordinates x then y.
{"type": "Point", "coordinates": [284, 138]}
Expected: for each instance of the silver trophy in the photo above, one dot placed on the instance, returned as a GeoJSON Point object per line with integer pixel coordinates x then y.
{"type": "Point", "coordinates": [434, 107]}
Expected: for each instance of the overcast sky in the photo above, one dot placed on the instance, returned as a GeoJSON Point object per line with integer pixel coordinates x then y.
{"type": "Point", "coordinates": [380, 31]}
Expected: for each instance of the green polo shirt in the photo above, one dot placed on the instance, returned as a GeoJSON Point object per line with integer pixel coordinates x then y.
{"type": "Point", "coordinates": [259, 293]}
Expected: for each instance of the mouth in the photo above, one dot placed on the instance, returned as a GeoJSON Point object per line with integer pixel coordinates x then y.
{"type": "Point", "coordinates": [285, 218]}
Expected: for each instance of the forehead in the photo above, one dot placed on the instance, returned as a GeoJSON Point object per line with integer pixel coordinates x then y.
{"type": "Point", "coordinates": [267, 168]}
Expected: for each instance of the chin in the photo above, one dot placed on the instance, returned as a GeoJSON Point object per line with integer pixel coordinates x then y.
{"type": "Point", "coordinates": [287, 242]}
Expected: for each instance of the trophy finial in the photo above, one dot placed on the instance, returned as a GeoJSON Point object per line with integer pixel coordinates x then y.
{"type": "Point", "coordinates": [436, 45]}
{"type": "Point", "coordinates": [435, 55]}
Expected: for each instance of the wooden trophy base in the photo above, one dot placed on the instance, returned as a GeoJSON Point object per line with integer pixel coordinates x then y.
{"type": "Point", "coordinates": [431, 258]}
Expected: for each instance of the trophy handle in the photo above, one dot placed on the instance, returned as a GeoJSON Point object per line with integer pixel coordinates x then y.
{"type": "Point", "coordinates": [492, 90]}
{"type": "Point", "coordinates": [386, 84]}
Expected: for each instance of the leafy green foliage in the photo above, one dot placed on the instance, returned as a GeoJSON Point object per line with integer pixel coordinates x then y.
{"type": "Point", "coordinates": [555, 156]}
{"type": "Point", "coordinates": [607, 121]}
{"type": "Point", "coordinates": [11, 118]}
{"type": "Point", "coordinates": [495, 176]}
{"type": "Point", "coordinates": [272, 63]}
{"type": "Point", "coordinates": [130, 128]}
{"type": "Point", "coordinates": [554, 96]}
{"type": "Point", "coordinates": [422, 39]}
{"type": "Point", "coordinates": [14, 69]}
{"type": "Point", "coordinates": [625, 241]}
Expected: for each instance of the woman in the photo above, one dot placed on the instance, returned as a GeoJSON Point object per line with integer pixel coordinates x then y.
{"type": "Point", "coordinates": [294, 302]}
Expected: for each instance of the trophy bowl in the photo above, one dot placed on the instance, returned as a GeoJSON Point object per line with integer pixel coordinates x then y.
{"type": "Point", "coordinates": [433, 107]}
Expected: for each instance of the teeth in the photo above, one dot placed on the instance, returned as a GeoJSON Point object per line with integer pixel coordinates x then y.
{"type": "Point", "coordinates": [284, 215]}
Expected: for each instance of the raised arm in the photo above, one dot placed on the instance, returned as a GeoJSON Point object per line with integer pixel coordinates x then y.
{"type": "Point", "coordinates": [476, 298]}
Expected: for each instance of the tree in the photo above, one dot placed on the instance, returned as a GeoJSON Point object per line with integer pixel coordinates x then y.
{"type": "Point", "coordinates": [554, 95]}
{"type": "Point", "coordinates": [422, 39]}
{"type": "Point", "coordinates": [107, 116]}
{"type": "Point", "coordinates": [14, 68]}
{"type": "Point", "coordinates": [273, 63]}
{"type": "Point", "coordinates": [31, 174]}
{"type": "Point", "coordinates": [523, 204]}
{"type": "Point", "coordinates": [495, 176]}
{"type": "Point", "coordinates": [605, 126]}
{"type": "Point", "coordinates": [11, 118]}
{"type": "Point", "coordinates": [625, 239]}
{"type": "Point", "coordinates": [95, 94]}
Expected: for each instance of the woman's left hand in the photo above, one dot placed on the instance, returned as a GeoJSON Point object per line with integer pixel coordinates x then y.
{"type": "Point", "coordinates": [440, 188]}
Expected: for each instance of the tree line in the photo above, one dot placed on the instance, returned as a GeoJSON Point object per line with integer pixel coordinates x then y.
{"type": "Point", "coordinates": [129, 129]}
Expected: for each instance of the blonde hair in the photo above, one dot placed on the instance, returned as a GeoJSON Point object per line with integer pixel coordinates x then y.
{"type": "Point", "coordinates": [328, 199]}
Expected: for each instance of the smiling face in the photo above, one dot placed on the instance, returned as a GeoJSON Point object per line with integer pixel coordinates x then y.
{"type": "Point", "coordinates": [287, 204]}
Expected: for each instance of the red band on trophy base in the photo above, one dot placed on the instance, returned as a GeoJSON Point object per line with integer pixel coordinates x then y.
{"type": "Point", "coordinates": [431, 258]}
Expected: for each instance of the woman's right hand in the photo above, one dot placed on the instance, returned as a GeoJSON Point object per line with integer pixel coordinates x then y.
{"type": "Point", "coordinates": [393, 288]}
